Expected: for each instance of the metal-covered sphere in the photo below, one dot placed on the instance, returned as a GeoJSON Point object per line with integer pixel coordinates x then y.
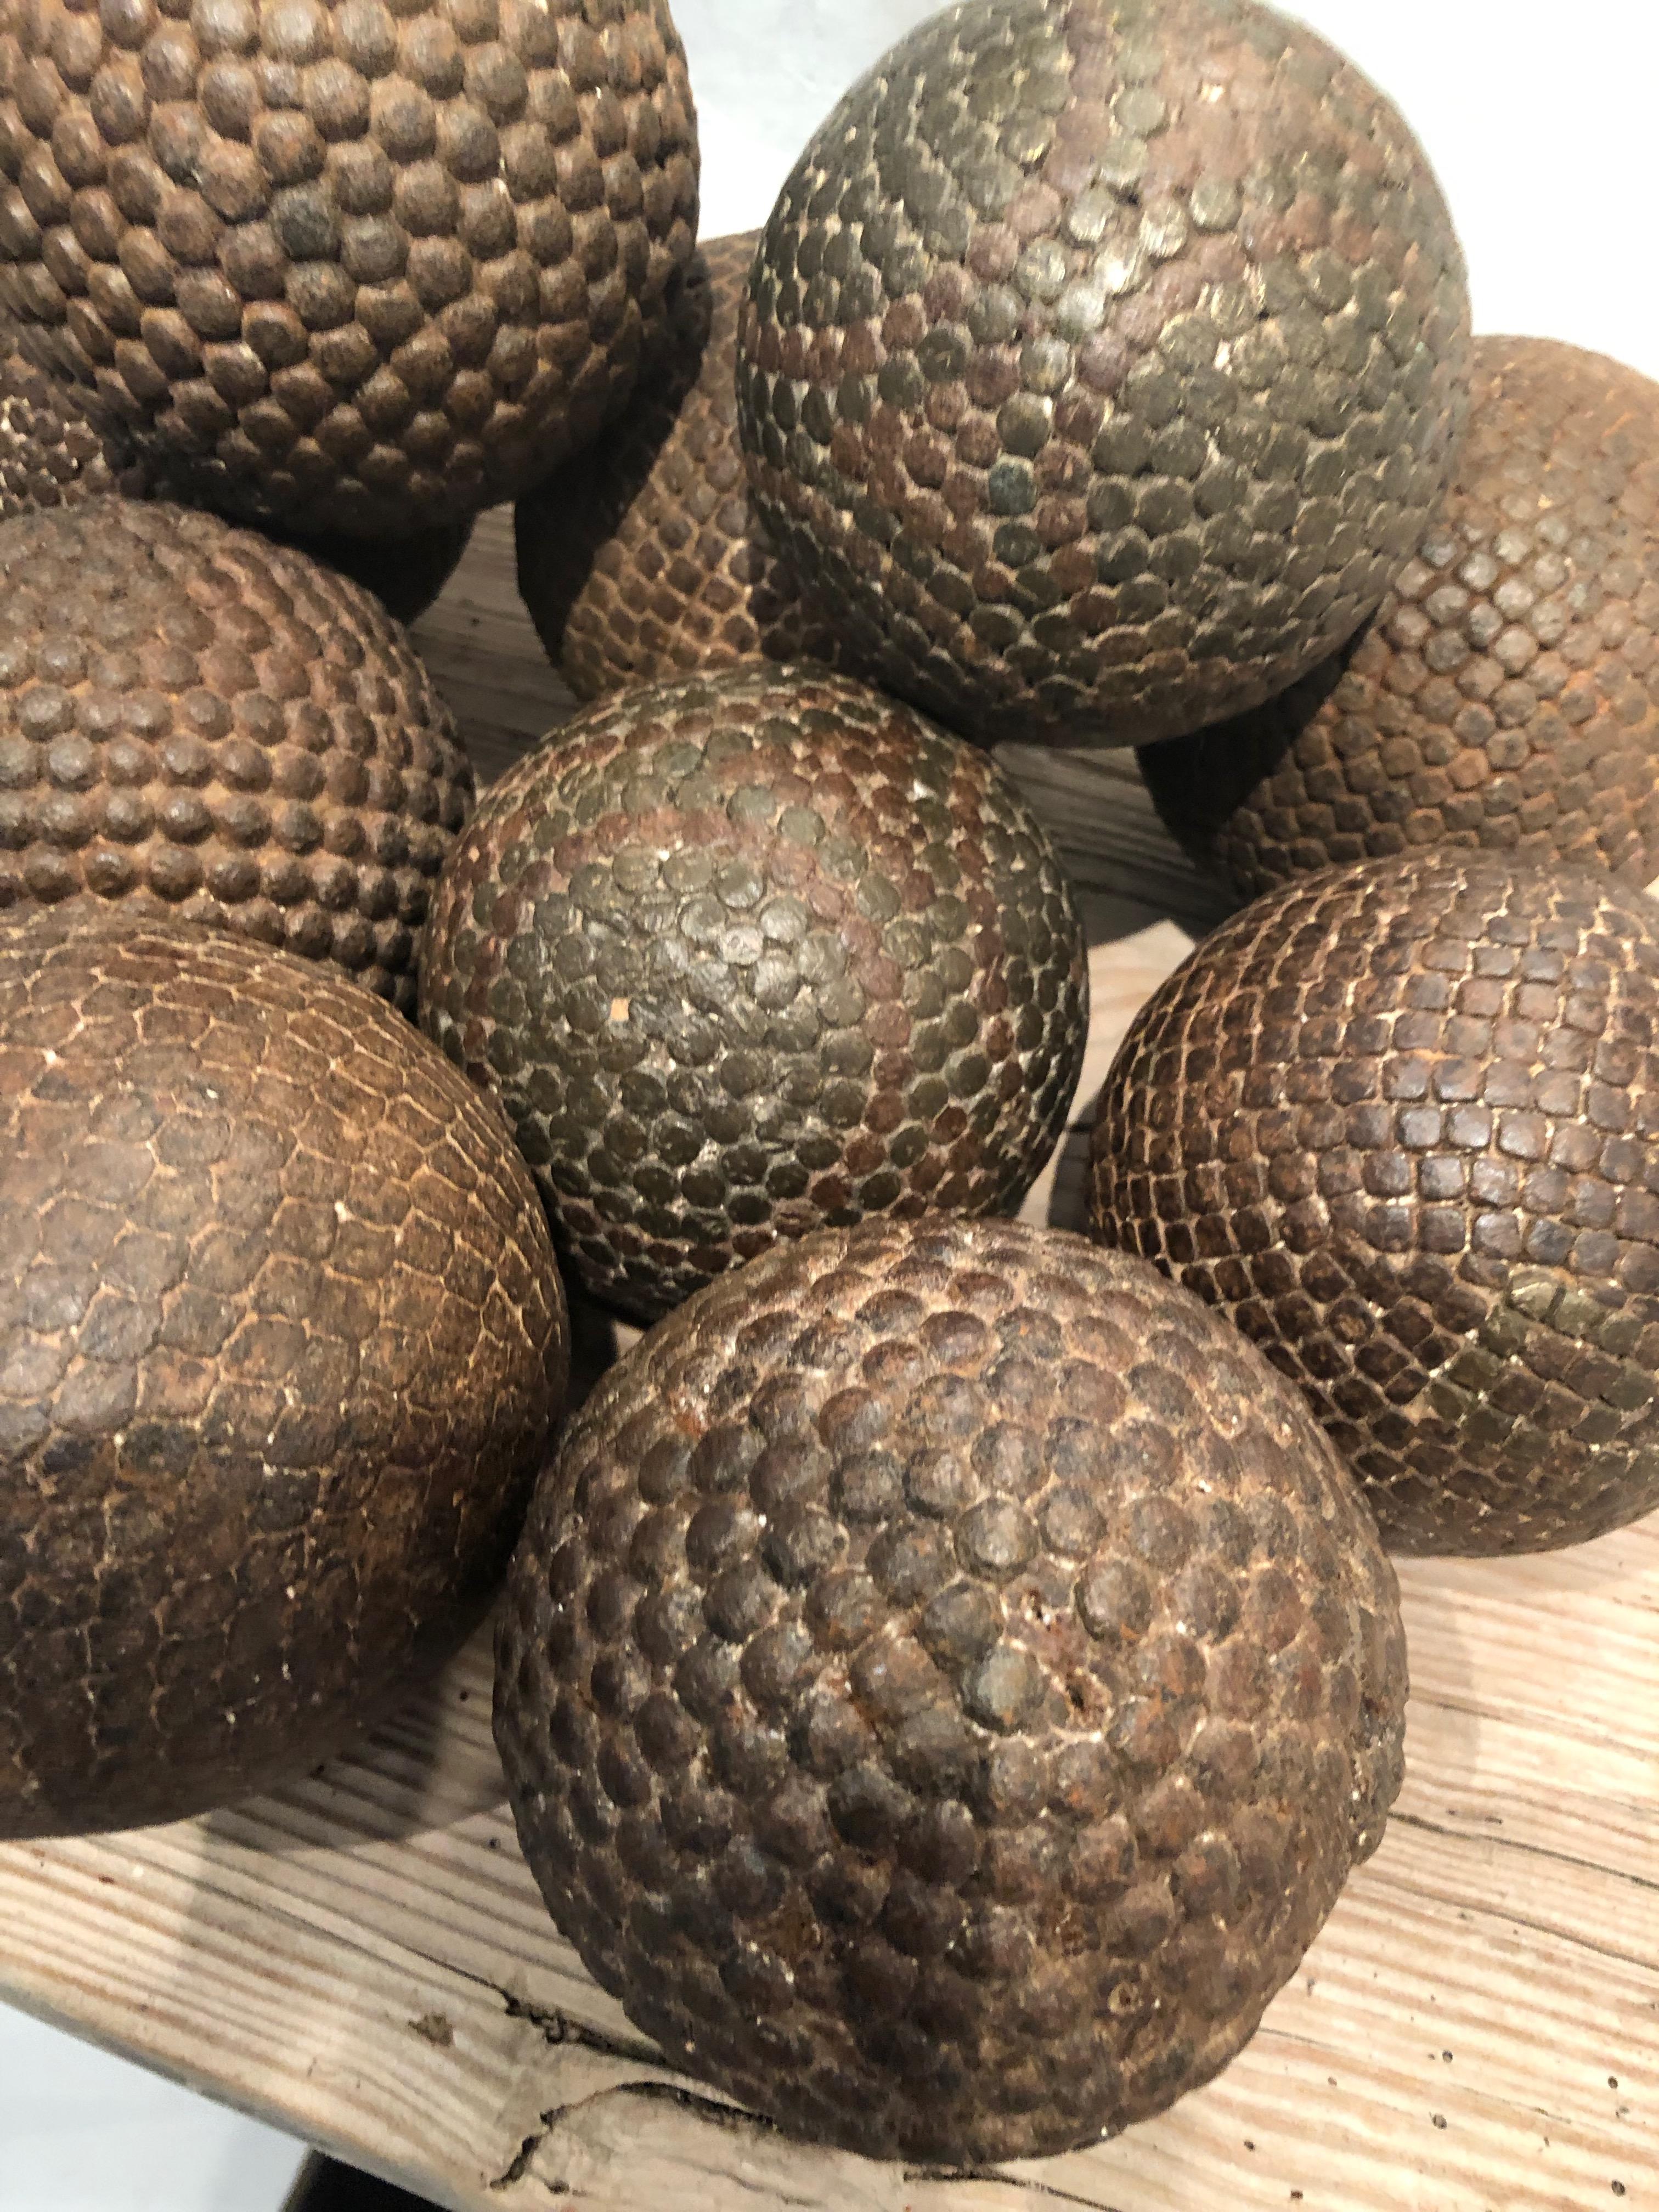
{"type": "Point", "coordinates": [750, 953]}
{"type": "Point", "coordinates": [1506, 695]}
{"type": "Point", "coordinates": [360, 267]}
{"type": "Point", "coordinates": [944, 1683]}
{"type": "Point", "coordinates": [643, 557]}
{"type": "Point", "coordinates": [1401, 1122]}
{"type": "Point", "coordinates": [195, 720]}
{"type": "Point", "coordinates": [280, 1341]}
{"type": "Point", "coordinates": [1104, 362]}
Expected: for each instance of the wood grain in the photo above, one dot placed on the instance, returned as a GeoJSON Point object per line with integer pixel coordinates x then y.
{"type": "Point", "coordinates": [364, 1958]}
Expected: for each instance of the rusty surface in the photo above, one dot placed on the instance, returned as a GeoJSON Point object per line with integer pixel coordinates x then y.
{"type": "Point", "coordinates": [1398, 1122]}
{"type": "Point", "coordinates": [1104, 364]}
{"type": "Point", "coordinates": [942, 1684]}
{"type": "Point", "coordinates": [283, 1340]}
{"type": "Point", "coordinates": [1506, 695]}
{"type": "Point", "coordinates": [355, 267]}
{"type": "Point", "coordinates": [643, 557]}
{"type": "Point", "coordinates": [752, 952]}
{"type": "Point", "coordinates": [195, 720]}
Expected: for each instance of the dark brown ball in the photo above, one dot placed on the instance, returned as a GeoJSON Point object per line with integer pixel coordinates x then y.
{"type": "Point", "coordinates": [1103, 362]}
{"type": "Point", "coordinates": [751, 953]}
{"type": "Point", "coordinates": [360, 267]}
{"type": "Point", "coordinates": [281, 1339]}
{"type": "Point", "coordinates": [944, 1683]}
{"type": "Point", "coordinates": [1506, 694]}
{"type": "Point", "coordinates": [52, 454]}
{"type": "Point", "coordinates": [643, 557]}
{"type": "Point", "coordinates": [193, 719]}
{"type": "Point", "coordinates": [1401, 1122]}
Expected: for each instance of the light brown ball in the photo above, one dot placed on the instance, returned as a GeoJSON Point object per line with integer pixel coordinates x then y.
{"type": "Point", "coordinates": [281, 1340]}
{"type": "Point", "coordinates": [643, 558]}
{"type": "Point", "coordinates": [1506, 695]}
{"type": "Point", "coordinates": [1400, 1122]}
{"type": "Point", "coordinates": [194, 720]}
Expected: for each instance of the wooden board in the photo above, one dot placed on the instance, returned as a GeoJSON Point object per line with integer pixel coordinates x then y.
{"type": "Point", "coordinates": [364, 1958]}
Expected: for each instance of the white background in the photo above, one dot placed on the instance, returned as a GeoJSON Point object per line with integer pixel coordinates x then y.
{"type": "Point", "coordinates": [1541, 122]}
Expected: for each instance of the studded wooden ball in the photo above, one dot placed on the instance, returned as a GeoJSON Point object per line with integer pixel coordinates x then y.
{"type": "Point", "coordinates": [944, 1682]}
{"type": "Point", "coordinates": [194, 719]}
{"type": "Point", "coordinates": [643, 557]}
{"type": "Point", "coordinates": [750, 953]}
{"type": "Point", "coordinates": [281, 1339]}
{"type": "Point", "coordinates": [1506, 694]}
{"type": "Point", "coordinates": [364, 267]}
{"type": "Point", "coordinates": [1102, 364]}
{"type": "Point", "coordinates": [1398, 1122]}
{"type": "Point", "coordinates": [52, 453]}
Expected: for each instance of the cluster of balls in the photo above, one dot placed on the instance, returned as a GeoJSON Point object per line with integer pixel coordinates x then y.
{"type": "Point", "coordinates": [282, 1335]}
{"type": "Point", "coordinates": [1103, 375]}
{"type": "Point", "coordinates": [949, 1669]}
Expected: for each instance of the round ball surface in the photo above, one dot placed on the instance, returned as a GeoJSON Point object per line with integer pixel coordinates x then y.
{"type": "Point", "coordinates": [1398, 1122]}
{"type": "Point", "coordinates": [194, 719]}
{"type": "Point", "coordinates": [944, 1682]}
{"type": "Point", "coordinates": [282, 1338]}
{"type": "Point", "coordinates": [751, 953]}
{"type": "Point", "coordinates": [52, 453]}
{"type": "Point", "coordinates": [643, 557]}
{"type": "Point", "coordinates": [1506, 695]}
{"type": "Point", "coordinates": [1103, 362]}
{"type": "Point", "coordinates": [359, 267]}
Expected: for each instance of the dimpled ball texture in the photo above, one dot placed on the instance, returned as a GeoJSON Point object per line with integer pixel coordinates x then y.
{"type": "Point", "coordinates": [1506, 694]}
{"type": "Point", "coordinates": [944, 1682]}
{"type": "Point", "coordinates": [750, 954]}
{"type": "Point", "coordinates": [1102, 364]}
{"type": "Point", "coordinates": [1399, 1122]}
{"type": "Point", "coordinates": [281, 1340]}
{"type": "Point", "coordinates": [360, 267]}
{"type": "Point", "coordinates": [194, 720]}
{"type": "Point", "coordinates": [52, 454]}
{"type": "Point", "coordinates": [643, 557]}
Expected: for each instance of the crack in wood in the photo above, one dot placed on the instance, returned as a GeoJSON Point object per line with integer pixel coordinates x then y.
{"type": "Point", "coordinates": [733, 2118]}
{"type": "Point", "coordinates": [958, 2175]}
{"type": "Point", "coordinates": [559, 2027]}
{"type": "Point", "coordinates": [1532, 1851]}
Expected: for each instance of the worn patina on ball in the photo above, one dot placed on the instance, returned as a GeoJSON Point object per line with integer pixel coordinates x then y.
{"type": "Point", "coordinates": [1401, 1122]}
{"type": "Point", "coordinates": [52, 453]}
{"type": "Point", "coordinates": [359, 267]}
{"type": "Point", "coordinates": [1506, 694]}
{"type": "Point", "coordinates": [195, 720]}
{"type": "Point", "coordinates": [1102, 364]}
{"type": "Point", "coordinates": [750, 953]}
{"type": "Point", "coordinates": [280, 1341]}
{"type": "Point", "coordinates": [944, 1683]}
{"type": "Point", "coordinates": [643, 557]}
